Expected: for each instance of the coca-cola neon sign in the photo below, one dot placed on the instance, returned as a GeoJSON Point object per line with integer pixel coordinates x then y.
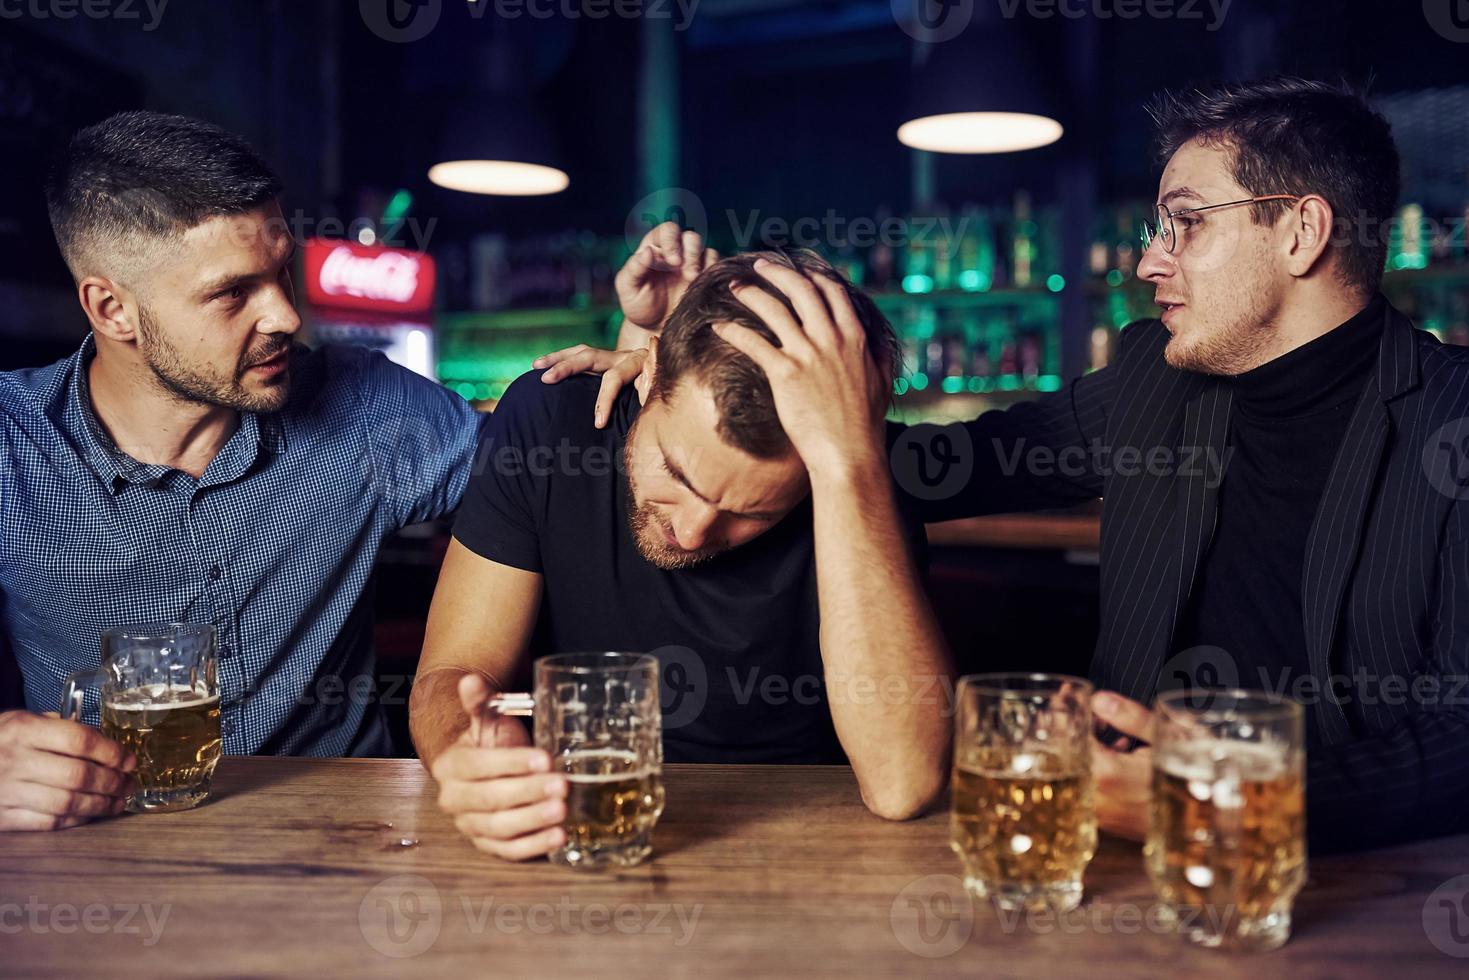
{"type": "Point", "coordinates": [349, 276]}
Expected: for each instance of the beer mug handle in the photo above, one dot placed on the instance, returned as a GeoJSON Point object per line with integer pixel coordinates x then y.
{"type": "Point", "coordinates": [514, 705]}
{"type": "Point", "coordinates": [75, 690]}
{"type": "Point", "coordinates": [498, 705]}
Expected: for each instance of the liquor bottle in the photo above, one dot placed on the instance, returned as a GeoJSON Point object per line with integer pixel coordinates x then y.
{"type": "Point", "coordinates": [1101, 347]}
{"type": "Point", "coordinates": [917, 261]}
{"type": "Point", "coordinates": [1022, 256]}
{"type": "Point", "coordinates": [1029, 356]}
{"type": "Point", "coordinates": [1099, 256]}
{"type": "Point", "coordinates": [976, 252]}
{"type": "Point", "coordinates": [945, 246]}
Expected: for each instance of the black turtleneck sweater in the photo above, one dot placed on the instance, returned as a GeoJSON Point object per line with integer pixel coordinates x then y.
{"type": "Point", "coordinates": [1287, 420]}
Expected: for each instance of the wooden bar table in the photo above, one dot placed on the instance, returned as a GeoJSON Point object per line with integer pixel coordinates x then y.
{"type": "Point", "coordinates": [347, 868]}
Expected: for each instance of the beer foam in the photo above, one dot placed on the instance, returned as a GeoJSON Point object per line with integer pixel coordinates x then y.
{"type": "Point", "coordinates": [614, 756]}
{"type": "Point", "coordinates": [1198, 761]}
{"type": "Point", "coordinates": [156, 696]}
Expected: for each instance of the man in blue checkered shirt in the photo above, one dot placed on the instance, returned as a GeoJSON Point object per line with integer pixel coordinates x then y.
{"type": "Point", "coordinates": [190, 464]}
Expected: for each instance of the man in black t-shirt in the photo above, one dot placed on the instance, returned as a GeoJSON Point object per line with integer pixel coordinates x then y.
{"type": "Point", "coordinates": [694, 528]}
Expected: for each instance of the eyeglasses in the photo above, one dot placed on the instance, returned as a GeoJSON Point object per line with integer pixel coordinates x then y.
{"type": "Point", "coordinates": [1161, 226]}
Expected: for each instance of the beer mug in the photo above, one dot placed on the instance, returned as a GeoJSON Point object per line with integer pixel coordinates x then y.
{"type": "Point", "coordinates": [160, 700]}
{"type": "Point", "coordinates": [1023, 820]}
{"type": "Point", "coordinates": [1226, 847]}
{"type": "Point", "coordinates": [598, 717]}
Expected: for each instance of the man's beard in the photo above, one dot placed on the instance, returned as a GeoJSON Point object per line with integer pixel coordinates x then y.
{"type": "Point", "coordinates": [647, 525]}
{"type": "Point", "coordinates": [1228, 350]}
{"type": "Point", "coordinates": [183, 382]}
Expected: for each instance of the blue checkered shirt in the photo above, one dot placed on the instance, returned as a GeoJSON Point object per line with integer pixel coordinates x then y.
{"type": "Point", "coordinates": [274, 545]}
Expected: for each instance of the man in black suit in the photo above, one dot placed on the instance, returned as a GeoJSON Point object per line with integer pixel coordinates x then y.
{"type": "Point", "coordinates": [1278, 457]}
{"type": "Point", "coordinates": [1280, 461]}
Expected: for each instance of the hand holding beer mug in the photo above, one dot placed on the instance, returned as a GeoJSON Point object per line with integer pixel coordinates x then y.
{"type": "Point", "coordinates": [598, 716]}
{"type": "Point", "coordinates": [1226, 848]}
{"type": "Point", "coordinates": [598, 729]}
{"type": "Point", "coordinates": [160, 700]}
{"type": "Point", "coordinates": [1023, 821]}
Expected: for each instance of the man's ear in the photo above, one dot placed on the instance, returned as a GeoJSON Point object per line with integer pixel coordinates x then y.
{"type": "Point", "coordinates": [102, 301]}
{"type": "Point", "coordinates": [644, 384]}
{"type": "Point", "coordinates": [1310, 233]}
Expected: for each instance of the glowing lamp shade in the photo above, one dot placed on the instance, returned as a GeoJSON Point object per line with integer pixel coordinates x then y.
{"type": "Point", "coordinates": [508, 177]}
{"type": "Point", "coordinates": [979, 132]}
{"type": "Point", "coordinates": [499, 144]}
{"type": "Point", "coordinates": [981, 93]}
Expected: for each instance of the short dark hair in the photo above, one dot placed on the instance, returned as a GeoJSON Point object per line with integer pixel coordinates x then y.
{"type": "Point", "coordinates": [688, 346]}
{"type": "Point", "coordinates": [148, 175]}
{"type": "Point", "coordinates": [1294, 136]}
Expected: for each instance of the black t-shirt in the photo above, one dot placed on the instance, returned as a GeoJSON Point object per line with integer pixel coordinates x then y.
{"type": "Point", "coordinates": [737, 636]}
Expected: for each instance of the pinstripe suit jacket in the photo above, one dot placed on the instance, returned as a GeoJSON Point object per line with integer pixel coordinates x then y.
{"type": "Point", "coordinates": [1385, 591]}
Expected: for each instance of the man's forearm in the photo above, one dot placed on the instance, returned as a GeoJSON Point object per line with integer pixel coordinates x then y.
{"type": "Point", "coordinates": [435, 717]}
{"type": "Point", "coordinates": [888, 671]}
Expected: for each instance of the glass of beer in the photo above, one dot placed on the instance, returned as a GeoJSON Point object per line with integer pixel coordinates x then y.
{"type": "Point", "coordinates": [598, 716]}
{"type": "Point", "coordinates": [1023, 821]}
{"type": "Point", "coordinates": [159, 699]}
{"type": "Point", "coordinates": [1226, 847]}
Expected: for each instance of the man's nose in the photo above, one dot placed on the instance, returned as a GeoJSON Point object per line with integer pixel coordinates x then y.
{"type": "Point", "coordinates": [1155, 264]}
{"type": "Point", "coordinates": [282, 318]}
{"type": "Point", "coordinates": [694, 527]}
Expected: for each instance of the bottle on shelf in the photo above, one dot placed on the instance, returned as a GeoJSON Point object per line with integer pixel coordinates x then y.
{"type": "Point", "coordinates": [976, 272]}
{"type": "Point", "coordinates": [1023, 230]}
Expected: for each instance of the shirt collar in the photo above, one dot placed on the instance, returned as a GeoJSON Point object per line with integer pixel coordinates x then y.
{"type": "Point", "coordinates": [116, 468]}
